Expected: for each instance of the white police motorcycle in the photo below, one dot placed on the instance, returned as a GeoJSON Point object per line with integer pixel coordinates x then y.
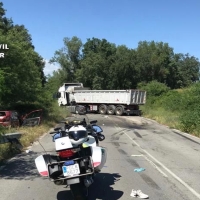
{"type": "Point", "coordinates": [78, 158]}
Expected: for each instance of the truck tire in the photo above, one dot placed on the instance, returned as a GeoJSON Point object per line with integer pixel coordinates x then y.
{"type": "Point", "coordinates": [103, 109]}
{"type": "Point", "coordinates": [111, 110]}
{"type": "Point", "coordinates": [119, 110]}
{"type": "Point", "coordinates": [81, 110]}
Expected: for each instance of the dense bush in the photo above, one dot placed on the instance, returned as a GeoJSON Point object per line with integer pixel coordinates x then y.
{"type": "Point", "coordinates": [190, 115]}
{"type": "Point", "coordinates": [154, 88]}
{"type": "Point", "coordinates": [166, 105]}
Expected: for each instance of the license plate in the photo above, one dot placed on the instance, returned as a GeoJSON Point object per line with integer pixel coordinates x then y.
{"type": "Point", "coordinates": [71, 170]}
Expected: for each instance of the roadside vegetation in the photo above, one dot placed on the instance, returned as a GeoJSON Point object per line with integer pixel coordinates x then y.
{"type": "Point", "coordinates": [30, 134]}
{"type": "Point", "coordinates": [170, 79]}
{"type": "Point", "coordinates": [178, 108]}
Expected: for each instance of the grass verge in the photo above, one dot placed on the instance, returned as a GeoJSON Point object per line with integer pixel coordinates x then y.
{"type": "Point", "coordinates": [178, 108]}
{"type": "Point", "coordinates": [162, 116]}
{"type": "Point", "coordinates": [168, 118]}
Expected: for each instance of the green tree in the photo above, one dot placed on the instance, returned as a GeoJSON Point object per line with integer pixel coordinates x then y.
{"type": "Point", "coordinates": [5, 23]}
{"type": "Point", "coordinates": [188, 70]}
{"type": "Point", "coordinates": [97, 57]}
{"type": "Point", "coordinates": [153, 60]}
{"type": "Point", "coordinates": [69, 57]}
{"type": "Point", "coordinates": [123, 71]}
{"type": "Point", "coordinates": [103, 65]}
{"type": "Point", "coordinates": [90, 72]}
{"type": "Point", "coordinates": [22, 67]}
{"type": "Point", "coordinates": [2, 84]}
{"type": "Point", "coordinates": [55, 81]}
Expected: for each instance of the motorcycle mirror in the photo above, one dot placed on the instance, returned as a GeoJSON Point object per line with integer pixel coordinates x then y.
{"type": "Point", "coordinates": [53, 132]}
{"type": "Point", "coordinates": [101, 137]}
{"type": "Point", "coordinates": [58, 128]}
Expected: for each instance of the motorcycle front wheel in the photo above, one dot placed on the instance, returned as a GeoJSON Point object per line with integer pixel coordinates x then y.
{"type": "Point", "coordinates": [79, 191]}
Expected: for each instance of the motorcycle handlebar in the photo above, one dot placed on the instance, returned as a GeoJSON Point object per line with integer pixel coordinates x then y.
{"type": "Point", "coordinates": [59, 128]}
{"type": "Point", "coordinates": [53, 132]}
{"type": "Point", "coordinates": [62, 132]}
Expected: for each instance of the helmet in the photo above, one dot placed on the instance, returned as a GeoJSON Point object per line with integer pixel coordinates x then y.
{"type": "Point", "coordinates": [77, 134]}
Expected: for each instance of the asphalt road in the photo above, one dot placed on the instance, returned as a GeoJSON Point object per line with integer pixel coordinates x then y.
{"type": "Point", "coordinates": [171, 161]}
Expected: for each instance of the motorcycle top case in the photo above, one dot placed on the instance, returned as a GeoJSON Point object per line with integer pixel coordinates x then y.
{"type": "Point", "coordinates": [63, 143]}
{"type": "Point", "coordinates": [99, 156]}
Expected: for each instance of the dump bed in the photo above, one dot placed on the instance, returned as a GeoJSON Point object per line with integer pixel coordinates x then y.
{"type": "Point", "coordinates": [128, 97]}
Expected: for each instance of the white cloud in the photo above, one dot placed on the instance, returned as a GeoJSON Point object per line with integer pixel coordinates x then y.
{"type": "Point", "coordinates": [49, 68]}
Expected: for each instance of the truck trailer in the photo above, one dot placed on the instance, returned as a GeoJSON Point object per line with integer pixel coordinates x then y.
{"type": "Point", "coordinates": [119, 102]}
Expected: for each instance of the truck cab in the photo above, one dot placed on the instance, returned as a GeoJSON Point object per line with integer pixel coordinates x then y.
{"type": "Point", "coordinates": [64, 91]}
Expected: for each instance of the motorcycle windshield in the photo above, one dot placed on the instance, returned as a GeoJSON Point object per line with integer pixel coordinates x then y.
{"type": "Point", "coordinates": [97, 129]}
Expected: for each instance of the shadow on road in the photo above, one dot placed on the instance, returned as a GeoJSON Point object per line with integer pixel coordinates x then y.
{"type": "Point", "coordinates": [21, 167]}
{"type": "Point", "coordinates": [64, 195]}
{"type": "Point", "coordinates": [100, 189]}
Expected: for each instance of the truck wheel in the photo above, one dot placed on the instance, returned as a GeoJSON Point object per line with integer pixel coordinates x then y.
{"type": "Point", "coordinates": [82, 110]}
{"type": "Point", "coordinates": [111, 110]}
{"type": "Point", "coordinates": [119, 110]}
{"type": "Point", "coordinates": [102, 109]}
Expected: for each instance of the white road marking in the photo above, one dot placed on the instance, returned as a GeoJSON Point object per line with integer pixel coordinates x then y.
{"type": "Point", "coordinates": [168, 170]}
{"type": "Point", "coordinates": [156, 167]}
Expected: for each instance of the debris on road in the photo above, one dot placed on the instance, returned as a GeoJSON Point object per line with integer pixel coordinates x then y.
{"type": "Point", "coordinates": [133, 193]}
{"type": "Point", "coordinates": [27, 151]}
{"type": "Point", "coordinates": [139, 169]}
{"type": "Point", "coordinates": [139, 194]}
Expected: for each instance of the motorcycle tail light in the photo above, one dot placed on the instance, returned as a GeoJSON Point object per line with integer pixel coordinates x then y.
{"type": "Point", "coordinates": [66, 153]}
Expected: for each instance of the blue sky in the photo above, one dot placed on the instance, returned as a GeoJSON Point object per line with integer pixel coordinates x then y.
{"type": "Point", "coordinates": [176, 22]}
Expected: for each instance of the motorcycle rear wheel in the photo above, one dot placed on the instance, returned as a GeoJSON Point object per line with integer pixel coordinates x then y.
{"type": "Point", "coordinates": [79, 191]}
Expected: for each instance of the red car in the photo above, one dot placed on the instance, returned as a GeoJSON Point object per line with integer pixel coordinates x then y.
{"type": "Point", "coordinates": [9, 118]}
{"type": "Point", "coordinates": [13, 119]}
{"type": "Point", "coordinates": [33, 118]}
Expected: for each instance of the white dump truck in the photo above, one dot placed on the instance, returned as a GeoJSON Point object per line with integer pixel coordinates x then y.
{"type": "Point", "coordinates": [119, 102]}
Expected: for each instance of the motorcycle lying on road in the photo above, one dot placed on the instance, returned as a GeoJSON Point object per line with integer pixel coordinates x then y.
{"type": "Point", "coordinates": [79, 156]}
